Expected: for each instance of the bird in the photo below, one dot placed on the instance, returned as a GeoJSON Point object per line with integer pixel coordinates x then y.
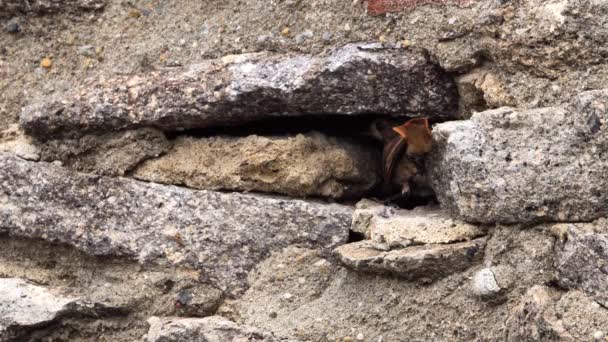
{"type": "Point", "coordinates": [404, 147]}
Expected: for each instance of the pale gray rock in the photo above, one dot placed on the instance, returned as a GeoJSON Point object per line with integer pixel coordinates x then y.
{"type": "Point", "coordinates": [421, 225]}
{"type": "Point", "coordinates": [12, 7]}
{"type": "Point", "coordinates": [303, 165]}
{"type": "Point", "coordinates": [354, 79]}
{"type": "Point", "coordinates": [24, 305]}
{"type": "Point", "coordinates": [484, 283]}
{"type": "Point", "coordinates": [430, 261]}
{"type": "Point", "coordinates": [509, 165]}
{"type": "Point", "coordinates": [208, 329]}
{"type": "Point", "coordinates": [111, 154]}
{"type": "Point", "coordinates": [224, 235]}
{"type": "Point", "coordinates": [581, 258]}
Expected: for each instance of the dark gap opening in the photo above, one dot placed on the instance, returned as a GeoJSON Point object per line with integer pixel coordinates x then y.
{"type": "Point", "coordinates": [340, 125]}
{"type": "Point", "coordinates": [355, 236]}
{"type": "Point", "coordinates": [353, 128]}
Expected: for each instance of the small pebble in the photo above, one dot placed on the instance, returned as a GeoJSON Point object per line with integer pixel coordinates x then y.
{"type": "Point", "coordinates": [326, 36]}
{"type": "Point", "coordinates": [301, 37]}
{"type": "Point", "coordinates": [262, 39]}
{"type": "Point", "coordinates": [46, 63]}
{"type": "Point", "coordinates": [13, 27]}
{"type": "Point", "coordinates": [347, 339]}
{"type": "Point", "coordinates": [598, 335]}
{"type": "Point", "coordinates": [87, 50]}
{"type": "Point", "coordinates": [484, 283]}
{"type": "Point", "coordinates": [287, 296]}
{"type": "Point", "coordinates": [134, 13]}
{"type": "Point", "coordinates": [273, 315]}
{"type": "Point", "coordinates": [360, 337]}
{"type": "Point", "coordinates": [285, 32]}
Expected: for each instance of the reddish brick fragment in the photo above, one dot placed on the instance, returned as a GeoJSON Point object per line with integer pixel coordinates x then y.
{"type": "Point", "coordinates": [375, 7]}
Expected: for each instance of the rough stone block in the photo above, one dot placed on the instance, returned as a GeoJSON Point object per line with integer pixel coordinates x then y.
{"type": "Point", "coordinates": [429, 261]}
{"type": "Point", "coordinates": [509, 165]}
{"type": "Point", "coordinates": [354, 79]}
{"type": "Point", "coordinates": [223, 235]}
{"type": "Point", "coordinates": [303, 165]}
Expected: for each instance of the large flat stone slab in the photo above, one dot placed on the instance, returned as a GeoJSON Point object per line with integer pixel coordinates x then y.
{"type": "Point", "coordinates": [509, 165]}
{"type": "Point", "coordinates": [425, 261]}
{"type": "Point", "coordinates": [299, 166]}
{"type": "Point", "coordinates": [223, 235]}
{"type": "Point", "coordinates": [400, 227]}
{"type": "Point", "coordinates": [354, 79]}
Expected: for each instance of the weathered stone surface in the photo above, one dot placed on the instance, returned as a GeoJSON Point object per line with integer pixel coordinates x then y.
{"type": "Point", "coordinates": [212, 329]}
{"type": "Point", "coordinates": [119, 294]}
{"type": "Point", "coordinates": [298, 294]}
{"type": "Point", "coordinates": [545, 314]}
{"type": "Point", "coordinates": [11, 7]}
{"type": "Point", "coordinates": [510, 165]}
{"type": "Point", "coordinates": [351, 80]}
{"type": "Point", "coordinates": [224, 235]}
{"type": "Point", "coordinates": [535, 318]}
{"type": "Point", "coordinates": [112, 154]}
{"type": "Point", "coordinates": [24, 305]}
{"type": "Point", "coordinates": [428, 261]}
{"type": "Point", "coordinates": [582, 258]}
{"type": "Point", "coordinates": [399, 228]}
{"type": "Point", "coordinates": [302, 165]}
{"type": "Point", "coordinates": [582, 317]}
{"type": "Point", "coordinates": [376, 7]}
{"type": "Point", "coordinates": [14, 141]}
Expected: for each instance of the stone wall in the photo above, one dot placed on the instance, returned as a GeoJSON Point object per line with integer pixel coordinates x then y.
{"type": "Point", "coordinates": [188, 171]}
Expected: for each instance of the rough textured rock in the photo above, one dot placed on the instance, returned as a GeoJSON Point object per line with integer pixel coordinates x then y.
{"type": "Point", "coordinates": [212, 329]}
{"type": "Point", "coordinates": [14, 141]}
{"type": "Point", "coordinates": [224, 234]}
{"type": "Point", "coordinates": [121, 293]}
{"type": "Point", "coordinates": [545, 314]}
{"type": "Point", "coordinates": [484, 283]}
{"type": "Point", "coordinates": [535, 318]}
{"type": "Point", "coordinates": [300, 166]}
{"type": "Point", "coordinates": [354, 79]}
{"type": "Point", "coordinates": [427, 261]}
{"type": "Point", "coordinates": [582, 317]}
{"type": "Point", "coordinates": [12, 7]}
{"type": "Point", "coordinates": [582, 258]}
{"type": "Point", "coordinates": [299, 294]}
{"type": "Point", "coordinates": [112, 154]}
{"type": "Point", "coordinates": [510, 165]}
{"type": "Point", "coordinates": [399, 228]}
{"type": "Point", "coordinates": [24, 305]}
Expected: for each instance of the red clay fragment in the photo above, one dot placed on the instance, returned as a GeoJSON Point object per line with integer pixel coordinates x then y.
{"type": "Point", "coordinates": [376, 7]}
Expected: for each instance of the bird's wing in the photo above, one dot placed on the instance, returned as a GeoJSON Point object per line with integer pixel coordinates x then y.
{"type": "Point", "coordinates": [393, 150]}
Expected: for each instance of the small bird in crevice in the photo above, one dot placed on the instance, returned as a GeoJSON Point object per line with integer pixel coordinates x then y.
{"type": "Point", "coordinates": [402, 156]}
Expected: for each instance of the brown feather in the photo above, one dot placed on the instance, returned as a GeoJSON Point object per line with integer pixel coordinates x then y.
{"type": "Point", "coordinates": [392, 152]}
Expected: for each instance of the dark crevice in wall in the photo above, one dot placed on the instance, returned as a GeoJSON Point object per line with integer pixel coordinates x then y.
{"type": "Point", "coordinates": [352, 128]}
